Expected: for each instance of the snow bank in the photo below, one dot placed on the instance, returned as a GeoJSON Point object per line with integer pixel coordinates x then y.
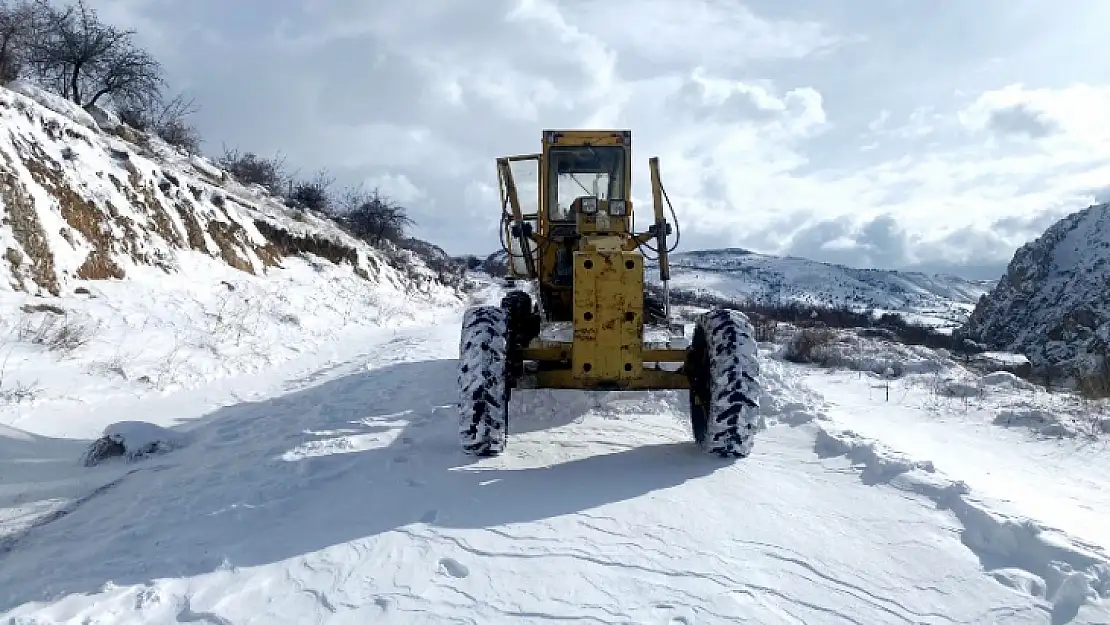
{"type": "Point", "coordinates": [1018, 552]}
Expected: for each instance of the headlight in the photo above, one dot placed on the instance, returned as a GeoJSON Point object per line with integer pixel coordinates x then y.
{"type": "Point", "coordinates": [618, 208]}
{"type": "Point", "coordinates": [589, 206]}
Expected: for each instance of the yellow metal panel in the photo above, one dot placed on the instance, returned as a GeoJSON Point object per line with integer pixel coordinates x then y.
{"type": "Point", "coordinates": [608, 315]}
{"type": "Point", "coordinates": [584, 350]}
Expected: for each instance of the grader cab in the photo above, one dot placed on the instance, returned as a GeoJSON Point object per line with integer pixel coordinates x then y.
{"type": "Point", "coordinates": [585, 319]}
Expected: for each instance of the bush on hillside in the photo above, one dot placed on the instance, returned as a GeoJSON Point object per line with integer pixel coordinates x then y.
{"type": "Point", "coordinates": [810, 345]}
{"type": "Point", "coordinates": [164, 118]}
{"type": "Point", "coordinates": [372, 216]}
{"type": "Point", "coordinates": [313, 194]}
{"type": "Point", "coordinates": [249, 168]}
{"type": "Point", "coordinates": [449, 271]}
{"type": "Point", "coordinates": [496, 264]}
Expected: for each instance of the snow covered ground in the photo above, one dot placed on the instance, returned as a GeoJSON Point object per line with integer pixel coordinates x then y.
{"type": "Point", "coordinates": [330, 490]}
{"type": "Point", "coordinates": [148, 336]}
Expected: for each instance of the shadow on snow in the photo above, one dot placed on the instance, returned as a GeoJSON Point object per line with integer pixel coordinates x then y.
{"type": "Point", "coordinates": [377, 451]}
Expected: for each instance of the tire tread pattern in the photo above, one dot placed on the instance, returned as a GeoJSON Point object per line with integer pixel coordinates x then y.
{"type": "Point", "coordinates": [733, 412]}
{"type": "Point", "coordinates": [483, 383]}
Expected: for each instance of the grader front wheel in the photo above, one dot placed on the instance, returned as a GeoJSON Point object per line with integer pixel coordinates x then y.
{"type": "Point", "coordinates": [723, 368]}
{"type": "Point", "coordinates": [484, 381]}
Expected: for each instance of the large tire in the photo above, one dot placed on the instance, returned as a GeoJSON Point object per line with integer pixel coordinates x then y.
{"type": "Point", "coordinates": [483, 381]}
{"type": "Point", "coordinates": [722, 363]}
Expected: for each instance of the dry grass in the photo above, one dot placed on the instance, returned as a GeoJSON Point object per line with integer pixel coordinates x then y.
{"type": "Point", "coordinates": [54, 332]}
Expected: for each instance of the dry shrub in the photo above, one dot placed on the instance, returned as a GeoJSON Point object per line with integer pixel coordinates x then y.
{"type": "Point", "coordinates": [810, 345]}
{"type": "Point", "coordinates": [54, 332]}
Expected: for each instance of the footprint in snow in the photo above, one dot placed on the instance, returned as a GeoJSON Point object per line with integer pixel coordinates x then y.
{"type": "Point", "coordinates": [453, 567]}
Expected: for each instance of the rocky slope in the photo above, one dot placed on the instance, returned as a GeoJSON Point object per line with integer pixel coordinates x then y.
{"type": "Point", "coordinates": [90, 199]}
{"type": "Point", "coordinates": [124, 258]}
{"type": "Point", "coordinates": [1053, 304]}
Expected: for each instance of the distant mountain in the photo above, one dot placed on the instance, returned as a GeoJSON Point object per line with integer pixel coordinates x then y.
{"type": "Point", "coordinates": [738, 274]}
{"type": "Point", "coordinates": [741, 274]}
{"type": "Point", "coordinates": [1053, 304]}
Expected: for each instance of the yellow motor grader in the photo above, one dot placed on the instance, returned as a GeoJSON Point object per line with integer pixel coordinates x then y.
{"type": "Point", "coordinates": [585, 319]}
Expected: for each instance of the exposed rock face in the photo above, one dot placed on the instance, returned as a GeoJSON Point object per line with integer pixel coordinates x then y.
{"type": "Point", "coordinates": [1053, 304]}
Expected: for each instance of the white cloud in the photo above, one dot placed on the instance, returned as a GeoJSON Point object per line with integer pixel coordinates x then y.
{"type": "Point", "coordinates": [874, 135]}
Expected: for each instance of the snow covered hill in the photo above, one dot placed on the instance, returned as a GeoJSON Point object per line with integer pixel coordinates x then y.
{"type": "Point", "coordinates": [340, 496]}
{"type": "Point", "coordinates": [122, 258]}
{"type": "Point", "coordinates": [1054, 302]}
{"type": "Point", "coordinates": [741, 275]}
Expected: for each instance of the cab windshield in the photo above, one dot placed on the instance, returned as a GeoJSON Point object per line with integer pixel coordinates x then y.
{"type": "Point", "coordinates": [577, 171]}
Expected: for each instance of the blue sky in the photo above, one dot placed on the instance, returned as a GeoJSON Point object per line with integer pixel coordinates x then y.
{"type": "Point", "coordinates": [934, 135]}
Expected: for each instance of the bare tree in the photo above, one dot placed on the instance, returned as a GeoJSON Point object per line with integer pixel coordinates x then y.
{"type": "Point", "coordinates": [85, 60]}
{"type": "Point", "coordinates": [17, 22]}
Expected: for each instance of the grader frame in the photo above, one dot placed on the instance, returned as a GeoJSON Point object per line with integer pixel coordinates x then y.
{"type": "Point", "coordinates": [592, 241]}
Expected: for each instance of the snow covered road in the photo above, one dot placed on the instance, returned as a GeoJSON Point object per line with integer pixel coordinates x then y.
{"type": "Point", "coordinates": [346, 501]}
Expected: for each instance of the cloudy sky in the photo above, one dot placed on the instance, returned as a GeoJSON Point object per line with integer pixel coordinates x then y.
{"type": "Point", "coordinates": [896, 134]}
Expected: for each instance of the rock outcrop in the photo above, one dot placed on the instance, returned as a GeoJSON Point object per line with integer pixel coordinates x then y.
{"type": "Point", "coordinates": [1053, 304]}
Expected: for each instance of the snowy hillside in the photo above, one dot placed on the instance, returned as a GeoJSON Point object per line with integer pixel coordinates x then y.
{"type": "Point", "coordinates": [738, 274]}
{"type": "Point", "coordinates": [339, 495]}
{"type": "Point", "coordinates": [1054, 302]}
{"type": "Point", "coordinates": [124, 259]}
